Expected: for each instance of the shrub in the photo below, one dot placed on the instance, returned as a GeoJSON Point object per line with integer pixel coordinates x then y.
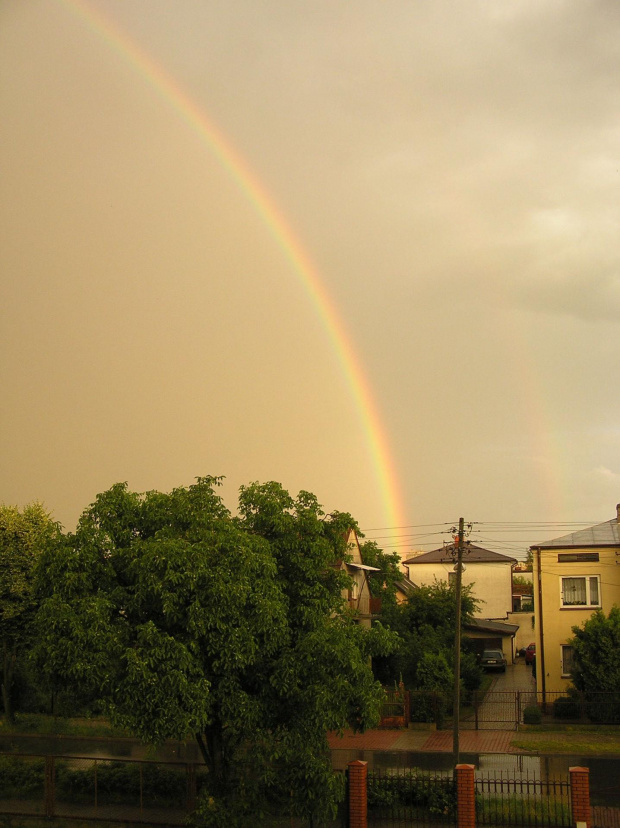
{"type": "Point", "coordinates": [566, 708]}
{"type": "Point", "coordinates": [21, 778]}
{"type": "Point", "coordinates": [532, 715]}
{"type": "Point", "coordinates": [434, 795]}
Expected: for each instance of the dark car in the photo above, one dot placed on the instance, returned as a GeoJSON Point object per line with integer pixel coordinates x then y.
{"type": "Point", "coordinates": [493, 660]}
{"type": "Point", "coordinates": [530, 652]}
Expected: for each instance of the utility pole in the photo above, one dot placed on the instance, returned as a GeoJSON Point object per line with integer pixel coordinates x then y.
{"type": "Point", "coordinates": [457, 642]}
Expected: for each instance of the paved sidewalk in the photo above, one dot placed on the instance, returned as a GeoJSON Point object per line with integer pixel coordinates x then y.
{"type": "Point", "coordinates": [470, 741]}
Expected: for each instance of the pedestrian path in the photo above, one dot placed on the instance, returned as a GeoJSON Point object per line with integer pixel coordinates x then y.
{"type": "Point", "coordinates": [477, 741]}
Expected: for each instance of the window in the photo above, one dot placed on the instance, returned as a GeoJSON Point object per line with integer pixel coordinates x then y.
{"type": "Point", "coordinates": [567, 660]}
{"type": "Point", "coordinates": [580, 592]}
{"type": "Point", "coordinates": [452, 579]}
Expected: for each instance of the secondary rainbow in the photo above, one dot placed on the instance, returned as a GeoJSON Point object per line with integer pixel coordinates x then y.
{"type": "Point", "coordinates": [290, 245]}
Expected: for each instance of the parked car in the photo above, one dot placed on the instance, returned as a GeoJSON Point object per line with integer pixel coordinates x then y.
{"type": "Point", "coordinates": [530, 652]}
{"type": "Point", "coordinates": [493, 660]}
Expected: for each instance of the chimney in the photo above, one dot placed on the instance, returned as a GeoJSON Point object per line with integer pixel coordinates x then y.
{"type": "Point", "coordinates": [618, 512]}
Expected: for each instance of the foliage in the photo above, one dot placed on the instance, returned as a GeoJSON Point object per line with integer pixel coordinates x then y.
{"type": "Point", "coordinates": [596, 664]}
{"type": "Point", "coordinates": [24, 536]}
{"type": "Point", "coordinates": [21, 777]}
{"type": "Point", "coordinates": [188, 620]}
{"type": "Point", "coordinates": [122, 783]}
{"type": "Point", "coordinates": [532, 715]}
{"type": "Point", "coordinates": [425, 624]}
{"type": "Point", "coordinates": [383, 583]}
{"type": "Point", "coordinates": [435, 795]}
{"type": "Point", "coordinates": [565, 707]}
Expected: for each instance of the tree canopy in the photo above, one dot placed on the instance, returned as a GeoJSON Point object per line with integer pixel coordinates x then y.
{"type": "Point", "coordinates": [189, 620]}
{"type": "Point", "coordinates": [425, 624]}
{"type": "Point", "coordinates": [24, 535]}
{"type": "Point", "coordinates": [596, 653]}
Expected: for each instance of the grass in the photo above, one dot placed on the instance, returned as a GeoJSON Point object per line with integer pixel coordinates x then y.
{"type": "Point", "coordinates": [583, 742]}
{"type": "Point", "coordinates": [515, 810]}
{"type": "Point", "coordinates": [41, 725]}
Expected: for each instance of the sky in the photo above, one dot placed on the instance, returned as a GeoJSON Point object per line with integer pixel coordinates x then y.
{"type": "Point", "coordinates": [369, 250]}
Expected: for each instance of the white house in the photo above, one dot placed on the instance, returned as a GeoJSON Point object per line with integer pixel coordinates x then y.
{"type": "Point", "coordinates": [489, 574]}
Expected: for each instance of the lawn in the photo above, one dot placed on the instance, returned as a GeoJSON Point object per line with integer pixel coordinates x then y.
{"type": "Point", "coordinates": [587, 742]}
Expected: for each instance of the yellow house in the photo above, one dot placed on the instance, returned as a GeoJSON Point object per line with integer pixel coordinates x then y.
{"type": "Point", "coordinates": [574, 575]}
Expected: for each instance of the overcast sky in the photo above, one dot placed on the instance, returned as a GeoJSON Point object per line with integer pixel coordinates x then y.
{"type": "Point", "coordinates": [452, 168]}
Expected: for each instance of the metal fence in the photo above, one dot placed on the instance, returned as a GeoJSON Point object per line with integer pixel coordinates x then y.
{"type": "Point", "coordinates": [413, 798]}
{"type": "Point", "coordinates": [404, 797]}
{"type": "Point", "coordinates": [91, 788]}
{"type": "Point", "coordinates": [119, 790]}
{"type": "Point", "coordinates": [501, 800]}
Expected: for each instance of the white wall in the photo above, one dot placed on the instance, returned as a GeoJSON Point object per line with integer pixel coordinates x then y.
{"type": "Point", "coordinates": [492, 584]}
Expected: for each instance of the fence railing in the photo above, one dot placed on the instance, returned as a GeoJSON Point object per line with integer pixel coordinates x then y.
{"type": "Point", "coordinates": [501, 800]}
{"type": "Point", "coordinates": [93, 788]}
{"type": "Point", "coordinates": [409, 797]}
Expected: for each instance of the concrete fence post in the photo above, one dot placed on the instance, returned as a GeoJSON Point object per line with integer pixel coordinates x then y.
{"type": "Point", "coordinates": [358, 806]}
{"type": "Point", "coordinates": [580, 796]}
{"type": "Point", "coordinates": [465, 796]}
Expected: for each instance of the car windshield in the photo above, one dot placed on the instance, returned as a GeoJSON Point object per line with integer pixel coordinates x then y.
{"type": "Point", "coordinates": [492, 654]}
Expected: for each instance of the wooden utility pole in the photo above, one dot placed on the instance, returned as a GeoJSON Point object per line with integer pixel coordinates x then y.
{"type": "Point", "coordinates": [457, 643]}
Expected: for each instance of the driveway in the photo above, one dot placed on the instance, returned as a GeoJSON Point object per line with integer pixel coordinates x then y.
{"type": "Point", "coordinates": [516, 677]}
{"type": "Point", "coordinates": [498, 711]}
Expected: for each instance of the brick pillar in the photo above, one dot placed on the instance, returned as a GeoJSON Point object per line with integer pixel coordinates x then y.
{"type": "Point", "coordinates": [580, 795]}
{"type": "Point", "coordinates": [465, 796]}
{"type": "Point", "coordinates": [358, 808]}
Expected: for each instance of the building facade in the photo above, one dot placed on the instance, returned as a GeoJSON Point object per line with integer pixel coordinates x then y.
{"type": "Point", "coordinates": [574, 576]}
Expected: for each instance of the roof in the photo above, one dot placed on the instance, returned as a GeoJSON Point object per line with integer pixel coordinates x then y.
{"type": "Point", "coordinates": [406, 586]}
{"type": "Point", "coordinates": [471, 554]}
{"type": "Point", "coordinates": [354, 565]}
{"type": "Point", "coordinates": [603, 534]}
{"type": "Point", "coordinates": [491, 626]}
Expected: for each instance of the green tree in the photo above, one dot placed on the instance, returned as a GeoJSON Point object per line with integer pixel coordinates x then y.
{"type": "Point", "coordinates": [425, 626]}
{"type": "Point", "coordinates": [382, 583]}
{"type": "Point", "coordinates": [234, 629]}
{"type": "Point", "coordinates": [596, 663]}
{"type": "Point", "coordinates": [24, 535]}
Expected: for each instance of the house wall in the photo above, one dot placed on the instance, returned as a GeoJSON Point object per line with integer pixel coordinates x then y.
{"type": "Point", "coordinates": [492, 584]}
{"type": "Point", "coordinates": [557, 620]}
{"type": "Point", "coordinates": [526, 632]}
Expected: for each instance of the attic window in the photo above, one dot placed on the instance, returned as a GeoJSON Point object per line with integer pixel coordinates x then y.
{"type": "Point", "coordinates": [575, 557]}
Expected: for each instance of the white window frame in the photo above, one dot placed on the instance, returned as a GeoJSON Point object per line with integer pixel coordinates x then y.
{"type": "Point", "coordinates": [565, 674]}
{"type": "Point", "coordinates": [588, 604]}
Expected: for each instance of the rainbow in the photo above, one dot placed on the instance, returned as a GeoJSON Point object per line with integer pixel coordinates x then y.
{"type": "Point", "coordinates": [283, 234]}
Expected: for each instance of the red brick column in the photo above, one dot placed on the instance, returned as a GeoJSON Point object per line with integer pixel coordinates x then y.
{"type": "Point", "coordinates": [465, 796]}
{"type": "Point", "coordinates": [358, 808]}
{"type": "Point", "coordinates": [580, 795]}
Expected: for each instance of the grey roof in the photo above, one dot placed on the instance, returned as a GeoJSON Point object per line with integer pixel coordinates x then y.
{"type": "Point", "coordinates": [491, 626]}
{"type": "Point", "coordinates": [471, 554]}
{"type": "Point", "coordinates": [603, 534]}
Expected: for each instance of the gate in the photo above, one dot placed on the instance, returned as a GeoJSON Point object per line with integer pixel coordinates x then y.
{"type": "Point", "coordinates": [499, 710]}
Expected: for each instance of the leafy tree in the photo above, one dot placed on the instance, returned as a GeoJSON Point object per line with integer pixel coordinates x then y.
{"type": "Point", "coordinates": [425, 624]}
{"type": "Point", "coordinates": [382, 583]}
{"type": "Point", "coordinates": [596, 663]}
{"type": "Point", "coordinates": [234, 629]}
{"type": "Point", "coordinates": [23, 537]}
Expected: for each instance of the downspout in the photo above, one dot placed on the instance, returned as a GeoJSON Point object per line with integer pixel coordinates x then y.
{"type": "Point", "coordinates": [540, 666]}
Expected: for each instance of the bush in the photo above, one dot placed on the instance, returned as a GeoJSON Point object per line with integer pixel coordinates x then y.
{"type": "Point", "coordinates": [532, 715]}
{"type": "Point", "coordinates": [565, 707]}
{"type": "Point", "coordinates": [21, 777]}
{"type": "Point", "coordinates": [434, 795]}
